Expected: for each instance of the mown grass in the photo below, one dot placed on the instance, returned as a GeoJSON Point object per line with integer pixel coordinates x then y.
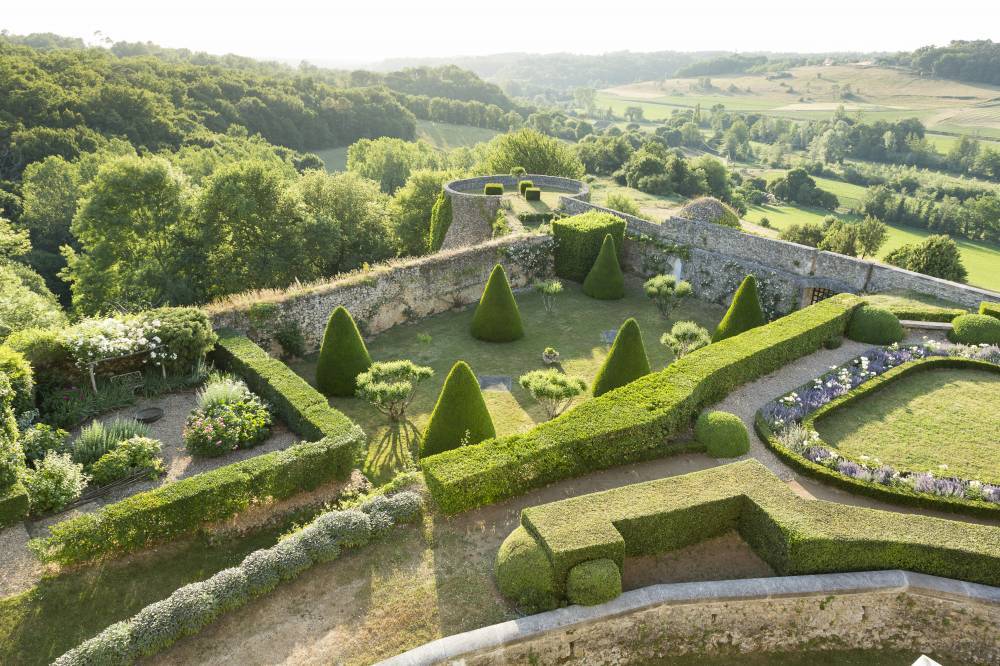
{"type": "Point", "coordinates": [941, 421]}
{"type": "Point", "coordinates": [574, 330]}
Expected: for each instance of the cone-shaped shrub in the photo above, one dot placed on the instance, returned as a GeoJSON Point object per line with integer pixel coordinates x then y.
{"type": "Point", "coordinates": [497, 318]}
{"type": "Point", "coordinates": [342, 357]}
{"type": "Point", "coordinates": [626, 362]}
{"type": "Point", "coordinates": [605, 280]}
{"type": "Point", "coordinates": [460, 415]}
{"type": "Point", "coordinates": [744, 312]}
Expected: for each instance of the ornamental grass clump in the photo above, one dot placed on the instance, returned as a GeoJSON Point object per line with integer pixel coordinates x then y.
{"type": "Point", "coordinates": [99, 438]}
{"type": "Point", "coordinates": [666, 292]}
{"type": "Point", "coordinates": [389, 386]}
{"type": "Point", "coordinates": [626, 362]}
{"type": "Point", "coordinates": [460, 416]}
{"type": "Point", "coordinates": [342, 356]}
{"type": "Point", "coordinates": [605, 281]}
{"type": "Point", "coordinates": [553, 390]}
{"type": "Point", "coordinates": [685, 337]}
{"type": "Point", "coordinates": [744, 313]}
{"type": "Point", "coordinates": [497, 318]}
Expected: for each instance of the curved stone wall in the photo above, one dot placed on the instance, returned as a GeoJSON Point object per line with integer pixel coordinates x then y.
{"type": "Point", "coordinates": [472, 212]}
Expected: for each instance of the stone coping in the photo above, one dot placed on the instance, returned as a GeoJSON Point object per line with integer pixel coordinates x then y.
{"type": "Point", "coordinates": [532, 626]}
{"type": "Point", "coordinates": [473, 187]}
{"type": "Point", "coordinates": [926, 325]}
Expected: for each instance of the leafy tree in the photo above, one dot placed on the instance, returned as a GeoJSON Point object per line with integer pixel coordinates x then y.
{"type": "Point", "coordinates": [666, 292]}
{"type": "Point", "coordinates": [585, 98]}
{"type": "Point", "coordinates": [389, 162]}
{"type": "Point", "coordinates": [25, 302]}
{"type": "Point", "coordinates": [412, 207]}
{"type": "Point", "coordinates": [342, 356]}
{"type": "Point", "coordinates": [440, 221]}
{"type": "Point", "coordinates": [554, 390]}
{"type": "Point", "coordinates": [13, 242]}
{"type": "Point", "coordinates": [685, 337]}
{"type": "Point", "coordinates": [623, 204]}
{"type": "Point", "coordinates": [389, 386]}
{"type": "Point", "coordinates": [872, 235]}
{"type": "Point", "coordinates": [840, 237]}
{"type": "Point", "coordinates": [633, 114]}
{"type": "Point", "coordinates": [744, 313]}
{"type": "Point", "coordinates": [533, 151]}
{"type": "Point", "coordinates": [605, 281]}
{"type": "Point", "coordinates": [626, 362]}
{"type": "Point", "coordinates": [937, 256]}
{"type": "Point", "coordinates": [807, 233]}
{"type": "Point", "coordinates": [460, 416]}
{"type": "Point", "coordinates": [497, 318]}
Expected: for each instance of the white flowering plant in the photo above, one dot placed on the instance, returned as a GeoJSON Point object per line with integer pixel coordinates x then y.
{"type": "Point", "coordinates": [94, 340]}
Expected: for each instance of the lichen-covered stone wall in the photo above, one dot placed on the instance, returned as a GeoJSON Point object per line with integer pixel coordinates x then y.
{"type": "Point", "coordinates": [397, 292]}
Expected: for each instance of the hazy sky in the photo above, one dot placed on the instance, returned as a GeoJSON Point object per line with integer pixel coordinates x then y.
{"type": "Point", "coordinates": [369, 30]}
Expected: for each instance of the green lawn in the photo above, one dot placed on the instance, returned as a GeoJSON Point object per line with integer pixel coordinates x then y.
{"type": "Point", "coordinates": [923, 421]}
{"type": "Point", "coordinates": [549, 202]}
{"type": "Point", "coordinates": [574, 330]}
{"type": "Point", "coordinates": [911, 300]}
{"type": "Point", "coordinates": [654, 207]}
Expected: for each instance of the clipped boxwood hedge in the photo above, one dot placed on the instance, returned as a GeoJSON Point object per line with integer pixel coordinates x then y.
{"type": "Point", "coordinates": [975, 329]}
{"type": "Point", "coordinates": [579, 239]}
{"type": "Point", "coordinates": [991, 309]}
{"type": "Point", "coordinates": [895, 494]}
{"type": "Point", "coordinates": [493, 188]}
{"type": "Point", "coordinates": [792, 534]}
{"type": "Point", "coordinates": [522, 185]}
{"type": "Point", "coordinates": [532, 194]}
{"type": "Point", "coordinates": [874, 325]}
{"type": "Point", "coordinates": [634, 422]}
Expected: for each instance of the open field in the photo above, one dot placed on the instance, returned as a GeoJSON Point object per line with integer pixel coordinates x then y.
{"type": "Point", "coordinates": [816, 92]}
{"type": "Point", "coordinates": [652, 206]}
{"type": "Point", "coordinates": [441, 135]}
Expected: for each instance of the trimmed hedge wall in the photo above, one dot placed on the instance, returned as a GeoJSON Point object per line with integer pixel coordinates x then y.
{"type": "Point", "coordinates": [493, 188]}
{"type": "Point", "coordinates": [532, 194]}
{"type": "Point", "coordinates": [793, 535]}
{"type": "Point", "coordinates": [579, 239]}
{"type": "Point", "coordinates": [634, 422]}
{"type": "Point", "coordinates": [522, 185]}
{"type": "Point", "coordinates": [895, 494]}
{"type": "Point", "coordinates": [182, 507]}
{"type": "Point", "coordinates": [991, 309]}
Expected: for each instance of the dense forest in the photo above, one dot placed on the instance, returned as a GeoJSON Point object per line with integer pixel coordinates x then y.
{"type": "Point", "coordinates": [975, 61]}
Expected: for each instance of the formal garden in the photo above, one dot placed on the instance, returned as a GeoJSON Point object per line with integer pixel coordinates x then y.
{"type": "Point", "coordinates": [553, 444]}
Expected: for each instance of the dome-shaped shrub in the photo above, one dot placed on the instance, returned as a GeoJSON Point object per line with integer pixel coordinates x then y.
{"type": "Point", "coordinates": [975, 329]}
{"type": "Point", "coordinates": [626, 362]}
{"type": "Point", "coordinates": [710, 209]}
{"type": "Point", "coordinates": [594, 582]}
{"type": "Point", "coordinates": [744, 312]}
{"type": "Point", "coordinates": [342, 356]}
{"type": "Point", "coordinates": [497, 318]}
{"type": "Point", "coordinates": [524, 573]}
{"type": "Point", "coordinates": [874, 325]}
{"type": "Point", "coordinates": [460, 415]}
{"type": "Point", "coordinates": [605, 281]}
{"type": "Point", "coordinates": [723, 434]}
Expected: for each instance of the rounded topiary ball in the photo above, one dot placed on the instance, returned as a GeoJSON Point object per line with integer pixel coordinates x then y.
{"type": "Point", "coordinates": [723, 434]}
{"type": "Point", "coordinates": [594, 582]}
{"type": "Point", "coordinates": [525, 574]}
{"type": "Point", "coordinates": [975, 329]}
{"type": "Point", "coordinates": [874, 325]}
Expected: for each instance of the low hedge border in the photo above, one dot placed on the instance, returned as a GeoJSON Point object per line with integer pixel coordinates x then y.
{"type": "Point", "coordinates": [991, 309]}
{"type": "Point", "coordinates": [792, 534]}
{"type": "Point", "coordinates": [194, 606]}
{"type": "Point", "coordinates": [633, 422]}
{"type": "Point", "coordinates": [895, 494]}
{"type": "Point", "coordinates": [180, 508]}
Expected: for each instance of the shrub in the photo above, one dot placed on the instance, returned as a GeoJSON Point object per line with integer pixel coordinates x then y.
{"type": "Point", "coordinates": [553, 389]}
{"type": "Point", "coordinates": [22, 380]}
{"type": "Point", "coordinates": [440, 221]}
{"type": "Point", "coordinates": [524, 573]}
{"type": "Point", "coordinates": [622, 204]}
{"type": "Point", "coordinates": [975, 329]}
{"type": "Point", "coordinates": [666, 292]}
{"type": "Point", "coordinates": [227, 426]}
{"type": "Point", "coordinates": [605, 281]}
{"type": "Point", "coordinates": [342, 356]}
{"type": "Point", "coordinates": [185, 332]}
{"type": "Point", "coordinates": [593, 582]}
{"type": "Point", "coordinates": [497, 318]}
{"type": "Point", "coordinates": [460, 416]}
{"type": "Point", "coordinates": [685, 337]}
{"type": "Point", "coordinates": [532, 194]}
{"type": "Point", "coordinates": [11, 454]}
{"type": "Point", "coordinates": [744, 312]}
{"type": "Point", "coordinates": [626, 362]}
{"type": "Point", "coordinates": [991, 309]}
{"type": "Point", "coordinates": [389, 386]}
{"type": "Point", "coordinates": [874, 325]}
{"type": "Point", "coordinates": [522, 185]}
{"type": "Point", "coordinates": [723, 434]}
{"type": "Point", "coordinates": [132, 456]}
{"type": "Point", "coordinates": [579, 239]}
{"type": "Point", "coordinates": [41, 438]}
{"type": "Point", "coordinates": [493, 188]}
{"type": "Point", "coordinates": [54, 482]}
{"type": "Point", "coordinates": [635, 422]}
{"type": "Point", "coordinates": [98, 438]}
{"type": "Point", "coordinates": [289, 336]}
{"type": "Point", "coordinates": [48, 356]}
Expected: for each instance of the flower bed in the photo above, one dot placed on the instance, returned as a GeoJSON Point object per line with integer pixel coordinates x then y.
{"type": "Point", "coordinates": [787, 425]}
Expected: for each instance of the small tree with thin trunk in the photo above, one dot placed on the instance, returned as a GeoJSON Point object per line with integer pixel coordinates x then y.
{"type": "Point", "coordinates": [685, 337]}
{"type": "Point", "coordinates": [872, 235]}
{"type": "Point", "coordinates": [549, 289]}
{"type": "Point", "coordinates": [390, 386]}
{"type": "Point", "coordinates": [666, 292]}
{"type": "Point", "coordinates": [552, 389]}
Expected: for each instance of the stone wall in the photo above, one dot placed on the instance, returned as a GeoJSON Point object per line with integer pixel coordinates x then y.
{"type": "Point", "coordinates": [397, 292]}
{"type": "Point", "coordinates": [472, 212]}
{"type": "Point", "coordinates": [719, 253]}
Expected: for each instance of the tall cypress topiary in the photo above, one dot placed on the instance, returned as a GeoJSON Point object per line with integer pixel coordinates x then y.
{"type": "Point", "coordinates": [440, 222]}
{"type": "Point", "coordinates": [605, 280]}
{"type": "Point", "coordinates": [342, 357]}
{"type": "Point", "coordinates": [460, 415]}
{"type": "Point", "coordinates": [497, 318]}
{"type": "Point", "coordinates": [626, 362]}
{"type": "Point", "coordinates": [744, 312]}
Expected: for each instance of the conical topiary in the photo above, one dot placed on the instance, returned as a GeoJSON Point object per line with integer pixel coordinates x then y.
{"type": "Point", "coordinates": [460, 415]}
{"type": "Point", "coordinates": [342, 356]}
{"type": "Point", "coordinates": [497, 318]}
{"type": "Point", "coordinates": [626, 362]}
{"type": "Point", "coordinates": [744, 312]}
{"type": "Point", "coordinates": [605, 279]}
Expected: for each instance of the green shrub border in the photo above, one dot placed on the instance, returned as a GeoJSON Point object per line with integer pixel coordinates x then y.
{"type": "Point", "coordinates": [893, 494]}
{"type": "Point", "coordinates": [633, 422]}
{"type": "Point", "coordinates": [13, 504]}
{"type": "Point", "coordinates": [792, 534]}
